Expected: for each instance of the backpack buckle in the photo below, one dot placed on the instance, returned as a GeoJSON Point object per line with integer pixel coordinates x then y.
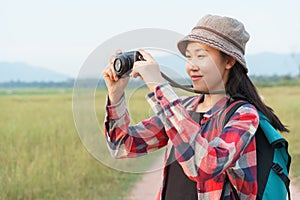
{"type": "Point", "coordinates": [277, 168]}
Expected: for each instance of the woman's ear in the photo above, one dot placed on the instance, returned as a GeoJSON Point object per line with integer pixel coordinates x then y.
{"type": "Point", "coordinates": [230, 61]}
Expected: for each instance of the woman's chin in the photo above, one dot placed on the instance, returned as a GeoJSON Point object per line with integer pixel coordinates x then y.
{"type": "Point", "coordinates": [200, 88]}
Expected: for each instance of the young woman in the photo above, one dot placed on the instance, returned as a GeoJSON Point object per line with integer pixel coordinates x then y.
{"type": "Point", "coordinates": [205, 152]}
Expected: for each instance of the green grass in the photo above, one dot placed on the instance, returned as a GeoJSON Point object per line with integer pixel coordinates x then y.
{"type": "Point", "coordinates": [285, 102]}
{"type": "Point", "coordinates": [35, 91]}
{"type": "Point", "coordinates": [42, 157]}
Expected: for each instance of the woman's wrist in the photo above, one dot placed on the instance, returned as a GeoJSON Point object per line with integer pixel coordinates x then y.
{"type": "Point", "coordinates": [154, 83]}
{"type": "Point", "coordinates": [114, 98]}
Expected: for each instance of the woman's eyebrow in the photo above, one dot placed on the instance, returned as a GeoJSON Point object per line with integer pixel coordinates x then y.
{"type": "Point", "coordinates": [196, 50]}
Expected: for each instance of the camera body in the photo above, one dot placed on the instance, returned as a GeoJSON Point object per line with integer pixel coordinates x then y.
{"type": "Point", "coordinates": [124, 62]}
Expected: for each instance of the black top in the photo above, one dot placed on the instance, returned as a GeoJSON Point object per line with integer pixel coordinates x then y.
{"type": "Point", "coordinates": [178, 186]}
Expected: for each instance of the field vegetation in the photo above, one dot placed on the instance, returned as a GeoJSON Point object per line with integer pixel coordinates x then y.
{"type": "Point", "coordinates": [42, 156]}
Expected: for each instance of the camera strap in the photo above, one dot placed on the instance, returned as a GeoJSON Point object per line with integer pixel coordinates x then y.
{"type": "Point", "coordinates": [188, 88]}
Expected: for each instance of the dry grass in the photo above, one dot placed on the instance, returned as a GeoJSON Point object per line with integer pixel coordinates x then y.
{"type": "Point", "coordinates": [42, 157]}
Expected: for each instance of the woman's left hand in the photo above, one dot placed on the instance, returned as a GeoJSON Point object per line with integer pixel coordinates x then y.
{"type": "Point", "coordinates": [148, 70]}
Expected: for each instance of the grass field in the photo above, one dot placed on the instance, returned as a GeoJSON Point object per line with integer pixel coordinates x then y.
{"type": "Point", "coordinates": [42, 157]}
{"type": "Point", "coordinates": [286, 103]}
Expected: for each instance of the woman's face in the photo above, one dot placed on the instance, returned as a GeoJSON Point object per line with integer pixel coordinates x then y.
{"type": "Point", "coordinates": [207, 67]}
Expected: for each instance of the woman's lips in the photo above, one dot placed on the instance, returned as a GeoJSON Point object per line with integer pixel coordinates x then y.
{"type": "Point", "coordinates": [196, 77]}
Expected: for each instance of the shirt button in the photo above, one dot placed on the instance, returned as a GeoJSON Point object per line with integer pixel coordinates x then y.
{"type": "Point", "coordinates": [159, 97]}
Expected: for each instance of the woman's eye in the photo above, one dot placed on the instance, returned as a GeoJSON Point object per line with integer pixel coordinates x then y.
{"type": "Point", "coordinates": [188, 56]}
{"type": "Point", "coordinates": [200, 56]}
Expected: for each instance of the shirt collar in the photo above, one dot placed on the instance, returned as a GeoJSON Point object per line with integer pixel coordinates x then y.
{"type": "Point", "coordinates": [217, 107]}
{"type": "Point", "coordinates": [193, 105]}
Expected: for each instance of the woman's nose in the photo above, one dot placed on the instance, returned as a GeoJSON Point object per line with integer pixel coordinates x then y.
{"type": "Point", "coordinates": [192, 65]}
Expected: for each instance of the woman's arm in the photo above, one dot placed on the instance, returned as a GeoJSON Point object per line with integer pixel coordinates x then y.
{"type": "Point", "coordinates": [132, 141]}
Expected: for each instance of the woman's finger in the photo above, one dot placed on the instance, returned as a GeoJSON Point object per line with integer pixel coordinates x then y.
{"type": "Point", "coordinates": [146, 55]}
{"type": "Point", "coordinates": [107, 73]}
{"type": "Point", "coordinates": [118, 51]}
{"type": "Point", "coordinates": [112, 59]}
{"type": "Point", "coordinates": [134, 73]}
{"type": "Point", "coordinates": [111, 66]}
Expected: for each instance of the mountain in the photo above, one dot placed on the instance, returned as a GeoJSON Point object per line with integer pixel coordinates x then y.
{"type": "Point", "coordinates": [273, 64]}
{"type": "Point", "coordinates": [18, 71]}
{"type": "Point", "coordinates": [266, 64]}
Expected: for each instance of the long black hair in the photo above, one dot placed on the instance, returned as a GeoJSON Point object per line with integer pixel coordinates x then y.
{"type": "Point", "coordinates": [240, 83]}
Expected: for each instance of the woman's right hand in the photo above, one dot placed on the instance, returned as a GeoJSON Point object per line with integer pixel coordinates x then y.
{"type": "Point", "coordinates": [114, 84]}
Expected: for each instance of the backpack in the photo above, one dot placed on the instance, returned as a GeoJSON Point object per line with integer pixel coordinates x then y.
{"type": "Point", "coordinates": [273, 159]}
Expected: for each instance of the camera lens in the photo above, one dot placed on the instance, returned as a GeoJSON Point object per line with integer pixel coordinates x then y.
{"type": "Point", "coordinates": [124, 62]}
{"type": "Point", "coordinates": [117, 65]}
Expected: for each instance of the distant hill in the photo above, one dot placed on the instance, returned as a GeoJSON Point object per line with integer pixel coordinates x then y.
{"type": "Point", "coordinates": [273, 64]}
{"type": "Point", "coordinates": [262, 64]}
{"type": "Point", "coordinates": [18, 71]}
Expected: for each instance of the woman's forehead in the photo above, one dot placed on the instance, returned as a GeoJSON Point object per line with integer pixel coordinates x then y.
{"type": "Point", "coordinates": [197, 46]}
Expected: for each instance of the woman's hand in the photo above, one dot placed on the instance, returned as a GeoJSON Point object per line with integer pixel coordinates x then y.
{"type": "Point", "coordinates": [114, 84]}
{"type": "Point", "coordinates": [149, 71]}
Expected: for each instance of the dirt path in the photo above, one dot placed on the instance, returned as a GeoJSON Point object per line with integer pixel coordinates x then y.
{"type": "Point", "coordinates": [147, 187]}
{"type": "Point", "coordinates": [295, 191]}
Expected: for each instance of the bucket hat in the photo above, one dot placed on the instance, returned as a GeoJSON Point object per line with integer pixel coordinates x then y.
{"type": "Point", "coordinates": [223, 33]}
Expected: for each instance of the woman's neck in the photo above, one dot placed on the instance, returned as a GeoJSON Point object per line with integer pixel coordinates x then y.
{"type": "Point", "coordinates": [209, 100]}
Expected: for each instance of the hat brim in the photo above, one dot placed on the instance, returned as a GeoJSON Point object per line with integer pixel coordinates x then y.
{"type": "Point", "coordinates": [212, 41]}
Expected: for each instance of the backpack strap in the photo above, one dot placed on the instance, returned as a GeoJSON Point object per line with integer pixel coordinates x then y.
{"type": "Point", "coordinates": [230, 110]}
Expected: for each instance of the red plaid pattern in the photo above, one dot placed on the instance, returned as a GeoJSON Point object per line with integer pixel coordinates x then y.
{"type": "Point", "coordinates": [205, 151]}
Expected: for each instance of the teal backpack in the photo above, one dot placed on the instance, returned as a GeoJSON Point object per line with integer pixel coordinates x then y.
{"type": "Point", "coordinates": [273, 159]}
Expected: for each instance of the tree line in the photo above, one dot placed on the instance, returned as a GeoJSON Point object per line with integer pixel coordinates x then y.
{"type": "Point", "coordinates": [259, 80]}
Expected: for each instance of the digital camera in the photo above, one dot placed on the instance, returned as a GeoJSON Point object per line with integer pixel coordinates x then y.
{"type": "Point", "coordinates": [124, 62]}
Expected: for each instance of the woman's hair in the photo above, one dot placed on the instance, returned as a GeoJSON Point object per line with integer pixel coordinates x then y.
{"type": "Point", "coordinates": [240, 83]}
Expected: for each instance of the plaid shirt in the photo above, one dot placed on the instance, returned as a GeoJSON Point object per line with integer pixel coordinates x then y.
{"type": "Point", "coordinates": [205, 150]}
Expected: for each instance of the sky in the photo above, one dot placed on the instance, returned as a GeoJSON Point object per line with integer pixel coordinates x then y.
{"type": "Point", "coordinates": [60, 34]}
